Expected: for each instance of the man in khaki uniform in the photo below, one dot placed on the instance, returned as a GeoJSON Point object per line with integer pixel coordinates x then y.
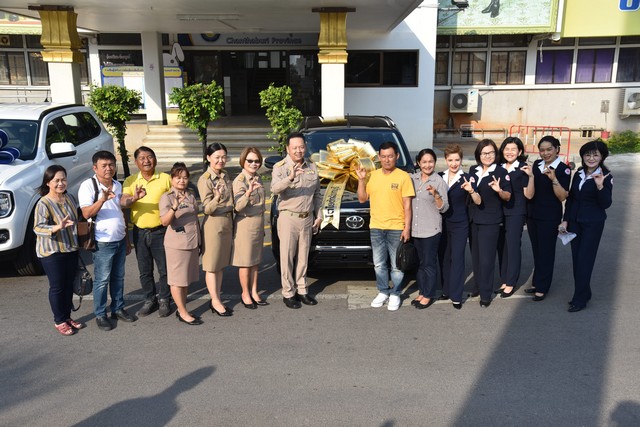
{"type": "Point", "coordinates": [295, 181]}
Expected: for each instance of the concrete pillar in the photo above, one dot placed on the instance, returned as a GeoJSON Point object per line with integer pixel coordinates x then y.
{"type": "Point", "coordinates": [154, 97]}
{"type": "Point", "coordinates": [95, 76]}
{"type": "Point", "coordinates": [332, 43]}
{"type": "Point", "coordinates": [61, 52]}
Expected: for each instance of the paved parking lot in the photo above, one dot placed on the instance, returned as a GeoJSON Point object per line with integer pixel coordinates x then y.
{"type": "Point", "coordinates": [514, 363]}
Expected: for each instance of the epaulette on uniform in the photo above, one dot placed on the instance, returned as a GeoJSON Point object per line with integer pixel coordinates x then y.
{"type": "Point", "coordinates": [280, 163]}
{"type": "Point", "coordinates": [206, 175]}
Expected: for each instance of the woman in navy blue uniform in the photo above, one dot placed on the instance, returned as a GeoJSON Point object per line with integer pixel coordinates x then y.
{"type": "Point", "coordinates": [515, 213]}
{"type": "Point", "coordinates": [455, 227]}
{"type": "Point", "coordinates": [551, 179]}
{"type": "Point", "coordinates": [585, 214]}
{"type": "Point", "coordinates": [494, 186]}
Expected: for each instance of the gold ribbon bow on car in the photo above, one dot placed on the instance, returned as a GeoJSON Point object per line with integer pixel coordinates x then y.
{"type": "Point", "coordinates": [338, 164]}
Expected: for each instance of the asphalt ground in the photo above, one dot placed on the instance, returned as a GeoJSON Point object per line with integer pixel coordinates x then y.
{"type": "Point", "coordinates": [517, 362]}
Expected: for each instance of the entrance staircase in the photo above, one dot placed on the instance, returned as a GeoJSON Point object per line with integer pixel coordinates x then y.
{"type": "Point", "coordinates": [177, 143]}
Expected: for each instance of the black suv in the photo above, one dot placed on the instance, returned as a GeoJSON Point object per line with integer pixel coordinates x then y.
{"type": "Point", "coordinates": [350, 245]}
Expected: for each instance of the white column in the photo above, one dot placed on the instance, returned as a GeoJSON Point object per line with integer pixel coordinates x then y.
{"type": "Point", "coordinates": [94, 62]}
{"type": "Point", "coordinates": [153, 78]}
{"type": "Point", "coordinates": [332, 90]}
{"type": "Point", "coordinates": [65, 82]}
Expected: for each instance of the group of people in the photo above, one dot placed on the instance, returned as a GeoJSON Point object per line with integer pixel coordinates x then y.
{"type": "Point", "coordinates": [487, 207]}
{"type": "Point", "coordinates": [439, 212]}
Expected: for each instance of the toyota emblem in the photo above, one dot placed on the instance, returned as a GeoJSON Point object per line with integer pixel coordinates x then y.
{"type": "Point", "coordinates": [355, 222]}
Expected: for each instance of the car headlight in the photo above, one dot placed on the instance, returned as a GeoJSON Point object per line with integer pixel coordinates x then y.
{"type": "Point", "coordinates": [6, 204]}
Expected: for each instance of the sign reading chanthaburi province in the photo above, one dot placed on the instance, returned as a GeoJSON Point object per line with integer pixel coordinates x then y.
{"type": "Point", "coordinates": [499, 17]}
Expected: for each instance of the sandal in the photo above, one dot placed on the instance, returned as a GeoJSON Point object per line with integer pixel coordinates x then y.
{"type": "Point", "coordinates": [65, 329]}
{"type": "Point", "coordinates": [74, 324]}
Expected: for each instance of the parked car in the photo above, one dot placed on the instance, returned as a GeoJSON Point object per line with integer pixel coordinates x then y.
{"type": "Point", "coordinates": [44, 134]}
{"type": "Point", "coordinates": [350, 244]}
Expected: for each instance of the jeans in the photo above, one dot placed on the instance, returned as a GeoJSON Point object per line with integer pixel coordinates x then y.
{"type": "Point", "coordinates": [149, 247]}
{"type": "Point", "coordinates": [108, 270]}
{"type": "Point", "coordinates": [384, 244]}
{"type": "Point", "coordinates": [61, 269]}
{"type": "Point", "coordinates": [428, 269]}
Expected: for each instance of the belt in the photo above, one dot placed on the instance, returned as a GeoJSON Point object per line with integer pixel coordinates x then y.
{"type": "Point", "coordinates": [296, 214]}
{"type": "Point", "coordinates": [151, 230]}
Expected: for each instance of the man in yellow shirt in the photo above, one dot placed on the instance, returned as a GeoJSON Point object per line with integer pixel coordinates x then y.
{"type": "Point", "coordinates": [389, 192]}
{"type": "Point", "coordinates": [141, 192]}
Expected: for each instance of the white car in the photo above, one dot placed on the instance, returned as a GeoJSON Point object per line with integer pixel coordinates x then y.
{"type": "Point", "coordinates": [44, 134]}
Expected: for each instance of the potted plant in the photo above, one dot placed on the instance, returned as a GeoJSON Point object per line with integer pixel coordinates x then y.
{"type": "Point", "coordinates": [198, 105]}
{"type": "Point", "coordinates": [282, 115]}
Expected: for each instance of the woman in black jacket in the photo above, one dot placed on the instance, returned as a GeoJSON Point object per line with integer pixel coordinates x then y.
{"type": "Point", "coordinates": [494, 187]}
{"type": "Point", "coordinates": [589, 197]}
{"type": "Point", "coordinates": [551, 179]}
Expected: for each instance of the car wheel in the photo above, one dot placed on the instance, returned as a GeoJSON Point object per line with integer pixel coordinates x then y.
{"type": "Point", "coordinates": [27, 262]}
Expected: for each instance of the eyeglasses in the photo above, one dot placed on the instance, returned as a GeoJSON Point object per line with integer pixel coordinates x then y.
{"type": "Point", "coordinates": [488, 154]}
{"type": "Point", "coordinates": [256, 161]}
{"type": "Point", "coordinates": [592, 154]}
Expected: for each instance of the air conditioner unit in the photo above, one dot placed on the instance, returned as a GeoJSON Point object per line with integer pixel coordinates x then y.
{"type": "Point", "coordinates": [631, 102]}
{"type": "Point", "coordinates": [463, 101]}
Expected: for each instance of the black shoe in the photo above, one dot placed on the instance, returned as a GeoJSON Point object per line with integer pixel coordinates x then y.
{"type": "Point", "coordinates": [421, 306]}
{"type": "Point", "coordinates": [148, 307]}
{"type": "Point", "coordinates": [415, 302]}
{"type": "Point", "coordinates": [259, 301]}
{"type": "Point", "coordinates": [530, 291]}
{"type": "Point", "coordinates": [123, 315]}
{"type": "Point", "coordinates": [485, 304]}
{"type": "Point", "coordinates": [575, 308]}
{"type": "Point", "coordinates": [498, 291]}
{"type": "Point", "coordinates": [196, 320]}
{"type": "Point", "coordinates": [504, 294]}
{"type": "Point", "coordinates": [251, 306]}
{"type": "Point", "coordinates": [444, 297]}
{"type": "Point", "coordinates": [457, 305]}
{"type": "Point", "coordinates": [103, 323]}
{"type": "Point", "coordinates": [291, 302]}
{"type": "Point", "coordinates": [226, 313]}
{"type": "Point", "coordinates": [474, 294]}
{"type": "Point", "coordinates": [307, 299]}
{"type": "Point", "coordinates": [165, 308]}
{"type": "Point", "coordinates": [539, 297]}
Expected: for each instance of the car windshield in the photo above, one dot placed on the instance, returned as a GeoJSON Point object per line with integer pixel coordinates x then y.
{"type": "Point", "coordinates": [23, 135]}
{"type": "Point", "coordinates": [318, 140]}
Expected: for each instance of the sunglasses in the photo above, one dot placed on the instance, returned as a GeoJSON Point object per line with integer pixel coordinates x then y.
{"type": "Point", "coordinates": [253, 161]}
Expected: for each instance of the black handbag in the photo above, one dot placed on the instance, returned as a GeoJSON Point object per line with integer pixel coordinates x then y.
{"type": "Point", "coordinates": [406, 257]}
{"type": "Point", "coordinates": [87, 227]}
{"type": "Point", "coordinates": [83, 283]}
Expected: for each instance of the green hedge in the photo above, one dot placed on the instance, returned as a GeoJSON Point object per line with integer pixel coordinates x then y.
{"type": "Point", "coordinates": [624, 142]}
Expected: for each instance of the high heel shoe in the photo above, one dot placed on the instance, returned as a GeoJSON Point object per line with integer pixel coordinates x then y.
{"type": "Point", "coordinates": [251, 306]}
{"type": "Point", "coordinates": [259, 301]}
{"type": "Point", "coordinates": [196, 320]}
{"type": "Point", "coordinates": [225, 313]}
{"type": "Point", "coordinates": [421, 306]}
{"type": "Point", "coordinates": [539, 297]}
{"type": "Point", "coordinates": [504, 294]}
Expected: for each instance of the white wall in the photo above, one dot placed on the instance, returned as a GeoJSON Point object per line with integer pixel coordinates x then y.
{"type": "Point", "coordinates": [412, 107]}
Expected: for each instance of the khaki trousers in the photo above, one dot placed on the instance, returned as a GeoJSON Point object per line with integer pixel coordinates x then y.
{"type": "Point", "coordinates": [295, 241]}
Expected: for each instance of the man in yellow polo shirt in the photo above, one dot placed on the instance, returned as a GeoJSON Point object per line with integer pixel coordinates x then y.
{"type": "Point", "coordinates": [389, 191]}
{"type": "Point", "coordinates": [141, 192]}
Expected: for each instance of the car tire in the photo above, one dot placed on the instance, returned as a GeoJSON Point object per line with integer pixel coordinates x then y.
{"type": "Point", "coordinates": [27, 262]}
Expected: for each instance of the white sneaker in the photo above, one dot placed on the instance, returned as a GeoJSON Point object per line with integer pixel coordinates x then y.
{"type": "Point", "coordinates": [394, 303]}
{"type": "Point", "coordinates": [379, 300]}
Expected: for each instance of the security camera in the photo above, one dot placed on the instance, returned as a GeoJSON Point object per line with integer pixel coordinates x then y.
{"type": "Point", "coordinates": [460, 4]}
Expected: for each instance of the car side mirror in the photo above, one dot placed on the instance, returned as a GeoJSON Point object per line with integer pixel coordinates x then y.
{"type": "Point", "coordinates": [61, 149]}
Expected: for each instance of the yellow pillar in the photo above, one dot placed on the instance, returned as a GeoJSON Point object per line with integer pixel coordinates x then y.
{"type": "Point", "coordinates": [332, 45]}
{"type": "Point", "coordinates": [61, 51]}
{"type": "Point", "coordinates": [59, 34]}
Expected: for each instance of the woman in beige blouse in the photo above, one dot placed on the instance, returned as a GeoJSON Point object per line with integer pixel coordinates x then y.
{"type": "Point", "coordinates": [179, 213]}
{"type": "Point", "coordinates": [217, 203]}
{"type": "Point", "coordinates": [248, 234]}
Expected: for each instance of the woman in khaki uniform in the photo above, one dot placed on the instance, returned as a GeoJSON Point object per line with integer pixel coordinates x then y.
{"type": "Point", "coordinates": [217, 202]}
{"type": "Point", "coordinates": [179, 213]}
{"type": "Point", "coordinates": [248, 230]}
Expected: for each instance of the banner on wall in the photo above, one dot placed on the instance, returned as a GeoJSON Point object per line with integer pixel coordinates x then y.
{"type": "Point", "coordinates": [598, 18]}
{"type": "Point", "coordinates": [498, 17]}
